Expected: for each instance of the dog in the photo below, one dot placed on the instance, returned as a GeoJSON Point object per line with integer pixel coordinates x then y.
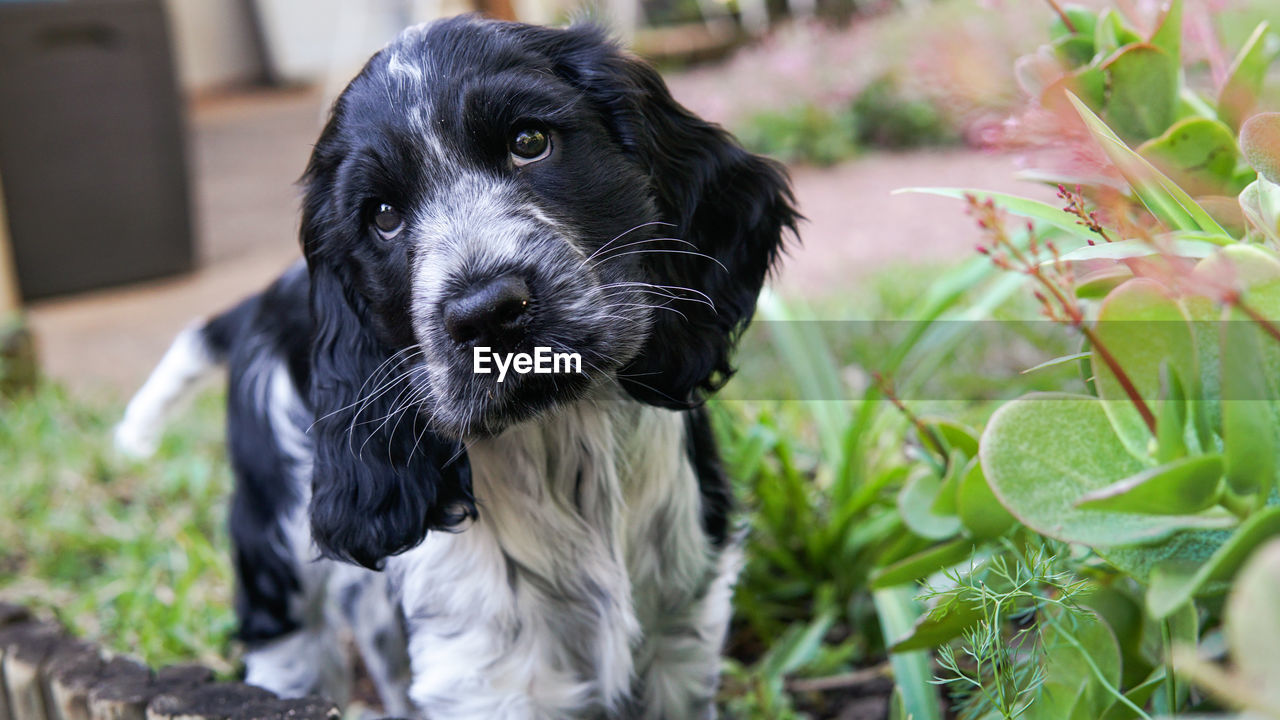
{"type": "Point", "coordinates": [552, 545]}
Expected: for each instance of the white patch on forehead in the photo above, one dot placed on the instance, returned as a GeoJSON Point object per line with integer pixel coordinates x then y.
{"type": "Point", "coordinates": [404, 69]}
{"type": "Point", "coordinates": [419, 112]}
{"type": "Point", "coordinates": [410, 77]}
{"type": "Point", "coordinates": [399, 63]}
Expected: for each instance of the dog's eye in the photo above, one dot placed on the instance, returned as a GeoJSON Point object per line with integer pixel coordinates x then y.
{"type": "Point", "coordinates": [388, 221]}
{"type": "Point", "coordinates": [529, 144]}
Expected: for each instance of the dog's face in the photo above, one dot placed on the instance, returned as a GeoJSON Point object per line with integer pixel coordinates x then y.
{"type": "Point", "coordinates": [485, 203]}
{"type": "Point", "coordinates": [502, 186]}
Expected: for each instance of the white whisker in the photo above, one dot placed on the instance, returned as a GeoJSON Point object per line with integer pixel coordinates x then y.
{"type": "Point", "coordinates": [625, 233]}
{"type": "Point", "coordinates": [673, 252]}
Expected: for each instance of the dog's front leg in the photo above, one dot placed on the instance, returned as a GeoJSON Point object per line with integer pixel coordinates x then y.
{"type": "Point", "coordinates": [362, 598]}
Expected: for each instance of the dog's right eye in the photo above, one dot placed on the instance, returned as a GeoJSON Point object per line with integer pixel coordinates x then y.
{"type": "Point", "coordinates": [387, 221]}
{"type": "Point", "coordinates": [528, 145]}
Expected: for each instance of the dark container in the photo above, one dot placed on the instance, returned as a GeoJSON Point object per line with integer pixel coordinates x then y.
{"type": "Point", "coordinates": [92, 153]}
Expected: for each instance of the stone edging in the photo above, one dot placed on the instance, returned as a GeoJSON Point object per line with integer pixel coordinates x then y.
{"type": "Point", "coordinates": [45, 674]}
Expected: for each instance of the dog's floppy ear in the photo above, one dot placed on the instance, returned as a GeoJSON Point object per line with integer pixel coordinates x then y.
{"type": "Point", "coordinates": [729, 204]}
{"type": "Point", "coordinates": [380, 480]}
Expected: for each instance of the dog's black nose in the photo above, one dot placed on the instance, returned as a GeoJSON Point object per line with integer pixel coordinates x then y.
{"type": "Point", "coordinates": [490, 313]}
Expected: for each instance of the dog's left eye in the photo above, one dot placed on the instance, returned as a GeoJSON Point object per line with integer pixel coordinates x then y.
{"type": "Point", "coordinates": [529, 144]}
{"type": "Point", "coordinates": [388, 221]}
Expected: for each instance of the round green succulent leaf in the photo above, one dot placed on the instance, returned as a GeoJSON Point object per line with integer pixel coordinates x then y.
{"type": "Point", "coordinates": [1260, 141]}
{"type": "Point", "coordinates": [1198, 153]}
{"type": "Point", "coordinates": [1042, 452]}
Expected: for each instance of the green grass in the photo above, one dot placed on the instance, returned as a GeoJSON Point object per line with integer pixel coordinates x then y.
{"type": "Point", "coordinates": [132, 555]}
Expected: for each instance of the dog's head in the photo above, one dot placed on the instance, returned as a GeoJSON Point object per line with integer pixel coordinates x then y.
{"type": "Point", "coordinates": [496, 185]}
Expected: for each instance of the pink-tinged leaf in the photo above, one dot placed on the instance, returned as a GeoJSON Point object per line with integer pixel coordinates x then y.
{"type": "Point", "coordinates": [1239, 95]}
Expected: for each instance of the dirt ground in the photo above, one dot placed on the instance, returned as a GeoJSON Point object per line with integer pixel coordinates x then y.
{"type": "Point", "coordinates": [248, 149]}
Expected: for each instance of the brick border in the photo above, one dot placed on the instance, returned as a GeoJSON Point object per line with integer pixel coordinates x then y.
{"type": "Point", "coordinates": [46, 674]}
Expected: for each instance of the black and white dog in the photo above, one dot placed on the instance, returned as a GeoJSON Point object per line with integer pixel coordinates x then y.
{"type": "Point", "coordinates": [549, 546]}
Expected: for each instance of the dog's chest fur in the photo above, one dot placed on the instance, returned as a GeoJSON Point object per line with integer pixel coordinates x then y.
{"type": "Point", "coordinates": [586, 587]}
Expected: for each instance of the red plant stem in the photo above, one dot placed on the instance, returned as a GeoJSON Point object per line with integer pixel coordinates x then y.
{"type": "Point", "coordinates": [1075, 318]}
{"type": "Point", "coordinates": [1063, 15]}
{"type": "Point", "coordinates": [1125, 383]}
{"type": "Point", "coordinates": [1068, 307]}
{"type": "Point", "coordinates": [1258, 318]}
{"type": "Point", "coordinates": [925, 431]}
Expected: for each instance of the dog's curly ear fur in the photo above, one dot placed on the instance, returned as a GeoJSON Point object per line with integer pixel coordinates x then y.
{"type": "Point", "coordinates": [380, 481]}
{"type": "Point", "coordinates": [729, 204]}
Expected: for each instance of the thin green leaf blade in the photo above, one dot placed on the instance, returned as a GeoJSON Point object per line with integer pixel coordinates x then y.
{"type": "Point", "coordinates": [1015, 205]}
{"type": "Point", "coordinates": [922, 564]}
{"type": "Point", "coordinates": [1169, 203]}
{"type": "Point", "coordinates": [1176, 245]}
{"type": "Point", "coordinates": [912, 671]}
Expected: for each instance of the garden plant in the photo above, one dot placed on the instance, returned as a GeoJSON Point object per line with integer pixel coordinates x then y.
{"type": "Point", "coordinates": [1109, 553]}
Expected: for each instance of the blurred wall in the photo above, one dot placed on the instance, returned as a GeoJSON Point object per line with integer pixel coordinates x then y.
{"type": "Point", "coordinates": [214, 44]}
{"type": "Point", "coordinates": [308, 41]}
